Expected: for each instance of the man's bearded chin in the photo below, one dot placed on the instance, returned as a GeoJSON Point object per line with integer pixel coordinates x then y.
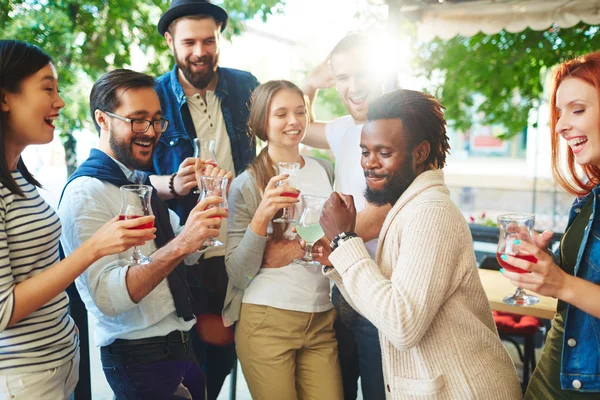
{"type": "Point", "coordinates": [124, 153]}
{"type": "Point", "coordinates": [396, 185]}
{"type": "Point", "coordinates": [200, 80]}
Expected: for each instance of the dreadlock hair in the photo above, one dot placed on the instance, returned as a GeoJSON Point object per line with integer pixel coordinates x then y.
{"type": "Point", "coordinates": [422, 118]}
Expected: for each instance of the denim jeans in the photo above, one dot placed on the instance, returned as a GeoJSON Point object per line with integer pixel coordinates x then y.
{"type": "Point", "coordinates": [359, 351]}
{"type": "Point", "coordinates": [154, 368]}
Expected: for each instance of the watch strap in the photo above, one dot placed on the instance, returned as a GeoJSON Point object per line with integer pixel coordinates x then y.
{"type": "Point", "coordinates": [341, 238]}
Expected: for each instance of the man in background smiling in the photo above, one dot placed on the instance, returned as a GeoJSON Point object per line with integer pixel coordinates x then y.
{"type": "Point", "coordinates": [205, 101]}
{"type": "Point", "coordinates": [347, 67]}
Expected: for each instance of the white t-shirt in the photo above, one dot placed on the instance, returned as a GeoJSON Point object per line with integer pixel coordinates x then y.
{"type": "Point", "coordinates": [295, 287]}
{"type": "Point", "coordinates": [343, 136]}
{"type": "Point", "coordinates": [209, 123]}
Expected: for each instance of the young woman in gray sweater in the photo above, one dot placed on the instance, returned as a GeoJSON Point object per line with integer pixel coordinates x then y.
{"type": "Point", "coordinates": [284, 334]}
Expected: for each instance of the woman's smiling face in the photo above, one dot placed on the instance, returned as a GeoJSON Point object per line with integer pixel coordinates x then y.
{"type": "Point", "coordinates": [31, 111]}
{"type": "Point", "coordinates": [578, 110]}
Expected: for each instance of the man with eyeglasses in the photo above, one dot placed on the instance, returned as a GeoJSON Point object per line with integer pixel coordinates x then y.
{"type": "Point", "coordinates": [143, 312]}
{"type": "Point", "coordinates": [206, 101]}
{"type": "Point", "coordinates": [140, 125]}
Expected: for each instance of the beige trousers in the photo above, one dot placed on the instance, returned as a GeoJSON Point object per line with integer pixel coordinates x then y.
{"type": "Point", "coordinates": [288, 355]}
{"type": "Point", "coordinates": [51, 384]}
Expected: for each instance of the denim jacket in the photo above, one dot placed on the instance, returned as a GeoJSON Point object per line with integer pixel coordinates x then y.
{"type": "Point", "coordinates": [580, 365]}
{"type": "Point", "coordinates": [175, 144]}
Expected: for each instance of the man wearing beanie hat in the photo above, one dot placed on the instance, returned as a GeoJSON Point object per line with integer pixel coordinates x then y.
{"type": "Point", "coordinates": [205, 101]}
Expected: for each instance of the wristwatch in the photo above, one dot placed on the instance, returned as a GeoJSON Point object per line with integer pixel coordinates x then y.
{"type": "Point", "coordinates": [341, 238]}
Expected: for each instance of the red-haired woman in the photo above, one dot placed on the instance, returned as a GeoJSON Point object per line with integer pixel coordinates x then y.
{"type": "Point", "coordinates": [570, 364]}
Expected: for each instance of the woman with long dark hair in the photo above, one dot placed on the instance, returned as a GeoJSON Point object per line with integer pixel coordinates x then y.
{"type": "Point", "coordinates": [284, 334]}
{"type": "Point", "coordinates": [570, 364]}
{"type": "Point", "coordinates": [39, 347]}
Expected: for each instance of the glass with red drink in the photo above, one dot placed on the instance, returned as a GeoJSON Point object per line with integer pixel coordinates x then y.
{"type": "Point", "coordinates": [214, 186]}
{"type": "Point", "coordinates": [516, 228]}
{"type": "Point", "coordinates": [142, 226]}
{"type": "Point", "coordinates": [135, 203]}
{"type": "Point", "coordinates": [291, 169]}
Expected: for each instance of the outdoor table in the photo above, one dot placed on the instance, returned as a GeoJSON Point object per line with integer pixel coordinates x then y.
{"type": "Point", "coordinates": [497, 287]}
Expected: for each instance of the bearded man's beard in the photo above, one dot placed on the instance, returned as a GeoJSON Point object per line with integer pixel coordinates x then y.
{"type": "Point", "coordinates": [123, 150]}
{"type": "Point", "coordinates": [200, 80]}
{"type": "Point", "coordinates": [395, 185]}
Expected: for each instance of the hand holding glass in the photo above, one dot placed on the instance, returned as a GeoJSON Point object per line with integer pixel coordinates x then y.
{"type": "Point", "coordinates": [135, 203]}
{"type": "Point", "coordinates": [289, 168]}
{"type": "Point", "coordinates": [308, 227]}
{"type": "Point", "coordinates": [515, 228]}
{"type": "Point", "coordinates": [214, 186]}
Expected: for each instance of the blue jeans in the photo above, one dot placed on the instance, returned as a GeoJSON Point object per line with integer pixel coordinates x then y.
{"type": "Point", "coordinates": [155, 368]}
{"type": "Point", "coordinates": [359, 351]}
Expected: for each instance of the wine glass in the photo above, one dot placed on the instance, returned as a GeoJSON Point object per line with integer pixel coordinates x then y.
{"type": "Point", "coordinates": [290, 168]}
{"type": "Point", "coordinates": [135, 203]}
{"type": "Point", "coordinates": [516, 227]}
{"type": "Point", "coordinates": [206, 149]}
{"type": "Point", "coordinates": [196, 142]}
{"type": "Point", "coordinates": [308, 227]}
{"type": "Point", "coordinates": [214, 186]}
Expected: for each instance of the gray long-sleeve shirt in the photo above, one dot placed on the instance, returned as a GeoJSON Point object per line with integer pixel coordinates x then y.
{"type": "Point", "coordinates": [245, 248]}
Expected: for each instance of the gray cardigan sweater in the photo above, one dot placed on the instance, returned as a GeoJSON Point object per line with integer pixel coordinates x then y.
{"type": "Point", "coordinates": [245, 248]}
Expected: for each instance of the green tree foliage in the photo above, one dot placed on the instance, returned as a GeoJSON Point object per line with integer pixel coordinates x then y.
{"type": "Point", "coordinates": [88, 37]}
{"type": "Point", "coordinates": [328, 105]}
{"type": "Point", "coordinates": [506, 70]}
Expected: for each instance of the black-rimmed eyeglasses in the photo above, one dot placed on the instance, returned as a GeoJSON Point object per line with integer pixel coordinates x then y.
{"type": "Point", "coordinates": [140, 125]}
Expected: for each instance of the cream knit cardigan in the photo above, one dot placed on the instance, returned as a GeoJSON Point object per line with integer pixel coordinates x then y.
{"type": "Point", "coordinates": [437, 333]}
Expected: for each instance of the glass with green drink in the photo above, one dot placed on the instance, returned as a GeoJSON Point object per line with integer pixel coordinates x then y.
{"type": "Point", "coordinates": [308, 226]}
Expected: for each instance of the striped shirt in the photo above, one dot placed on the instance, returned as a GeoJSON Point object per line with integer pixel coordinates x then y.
{"type": "Point", "coordinates": [29, 234]}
